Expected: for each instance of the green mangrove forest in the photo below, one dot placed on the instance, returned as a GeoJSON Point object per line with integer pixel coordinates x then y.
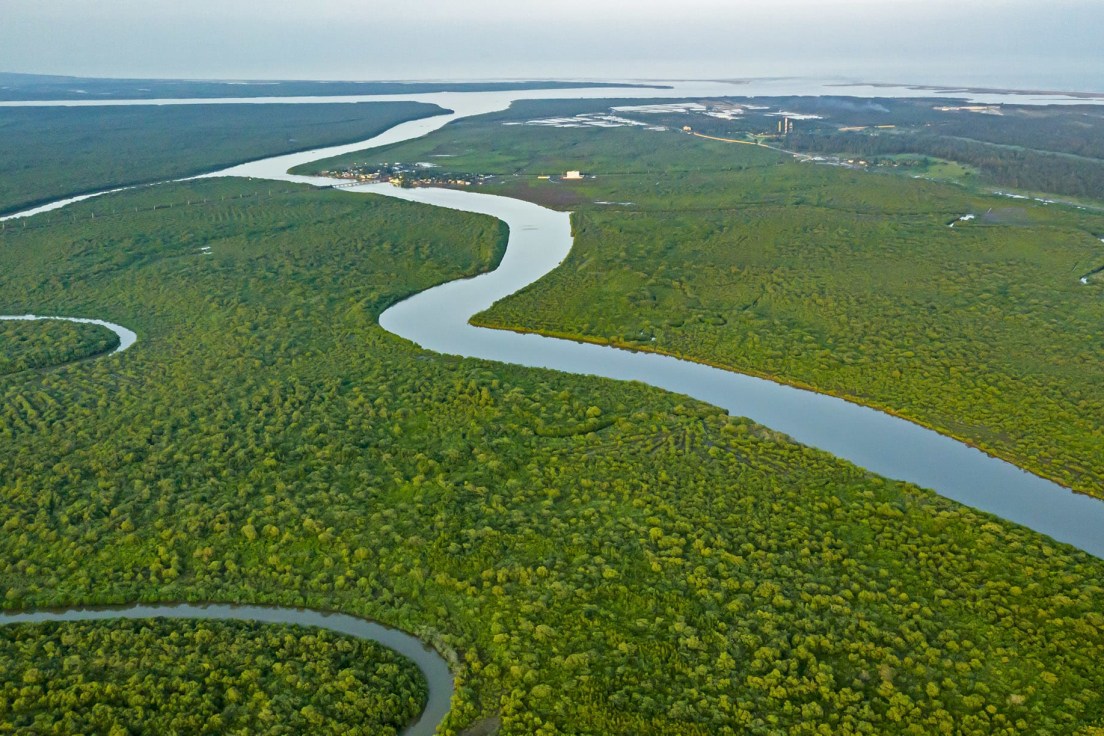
{"type": "Point", "coordinates": [593, 557]}
{"type": "Point", "coordinates": [111, 147]}
{"type": "Point", "coordinates": [846, 281]}
{"type": "Point", "coordinates": [200, 677]}
{"type": "Point", "coordinates": [47, 343]}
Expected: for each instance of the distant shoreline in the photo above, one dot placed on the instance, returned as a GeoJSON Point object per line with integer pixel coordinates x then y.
{"type": "Point", "coordinates": [946, 88]}
{"type": "Point", "coordinates": [18, 87]}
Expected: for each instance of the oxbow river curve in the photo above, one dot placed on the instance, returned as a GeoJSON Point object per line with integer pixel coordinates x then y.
{"type": "Point", "coordinates": [126, 337]}
{"type": "Point", "coordinates": [437, 319]}
{"type": "Point", "coordinates": [433, 666]}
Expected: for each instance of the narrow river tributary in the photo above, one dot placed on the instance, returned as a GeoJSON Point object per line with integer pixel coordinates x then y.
{"type": "Point", "coordinates": [437, 319]}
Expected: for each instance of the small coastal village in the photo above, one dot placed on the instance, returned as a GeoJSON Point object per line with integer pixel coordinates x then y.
{"type": "Point", "coordinates": [417, 175]}
{"type": "Point", "coordinates": [405, 175]}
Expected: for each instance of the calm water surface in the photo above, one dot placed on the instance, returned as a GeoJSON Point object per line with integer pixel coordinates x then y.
{"type": "Point", "coordinates": [764, 87]}
{"type": "Point", "coordinates": [540, 239]}
{"type": "Point", "coordinates": [437, 319]}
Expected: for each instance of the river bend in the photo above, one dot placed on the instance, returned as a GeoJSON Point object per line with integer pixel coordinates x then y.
{"type": "Point", "coordinates": [437, 319]}
{"type": "Point", "coordinates": [540, 239]}
{"type": "Point", "coordinates": [433, 666]}
{"type": "Point", "coordinates": [126, 337]}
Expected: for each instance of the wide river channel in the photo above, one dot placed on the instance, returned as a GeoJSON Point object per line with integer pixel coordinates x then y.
{"type": "Point", "coordinates": [540, 239]}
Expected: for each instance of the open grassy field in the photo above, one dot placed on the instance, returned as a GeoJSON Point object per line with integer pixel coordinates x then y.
{"type": "Point", "coordinates": [846, 281]}
{"type": "Point", "coordinates": [667, 569]}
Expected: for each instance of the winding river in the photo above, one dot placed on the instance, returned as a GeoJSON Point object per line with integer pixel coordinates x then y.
{"type": "Point", "coordinates": [437, 319]}
{"type": "Point", "coordinates": [540, 239]}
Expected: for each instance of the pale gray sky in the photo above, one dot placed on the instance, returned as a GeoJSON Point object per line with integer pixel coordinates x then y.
{"type": "Point", "coordinates": [1003, 42]}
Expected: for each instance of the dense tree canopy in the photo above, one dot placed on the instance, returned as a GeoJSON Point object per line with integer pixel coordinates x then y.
{"type": "Point", "coordinates": [109, 147]}
{"type": "Point", "coordinates": [163, 676]}
{"type": "Point", "coordinates": [595, 557]}
{"type": "Point", "coordinates": [846, 281]}
{"type": "Point", "coordinates": [45, 343]}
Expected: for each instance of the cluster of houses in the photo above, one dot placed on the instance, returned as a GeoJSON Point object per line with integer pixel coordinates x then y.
{"type": "Point", "coordinates": [980, 109]}
{"type": "Point", "coordinates": [406, 175]}
{"type": "Point", "coordinates": [418, 175]}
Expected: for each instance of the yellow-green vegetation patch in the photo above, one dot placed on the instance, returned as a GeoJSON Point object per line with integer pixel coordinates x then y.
{"type": "Point", "coordinates": [916, 165]}
{"type": "Point", "coordinates": [840, 280]}
{"type": "Point", "coordinates": [600, 557]}
{"type": "Point", "coordinates": [165, 676]}
{"type": "Point", "coordinates": [25, 345]}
